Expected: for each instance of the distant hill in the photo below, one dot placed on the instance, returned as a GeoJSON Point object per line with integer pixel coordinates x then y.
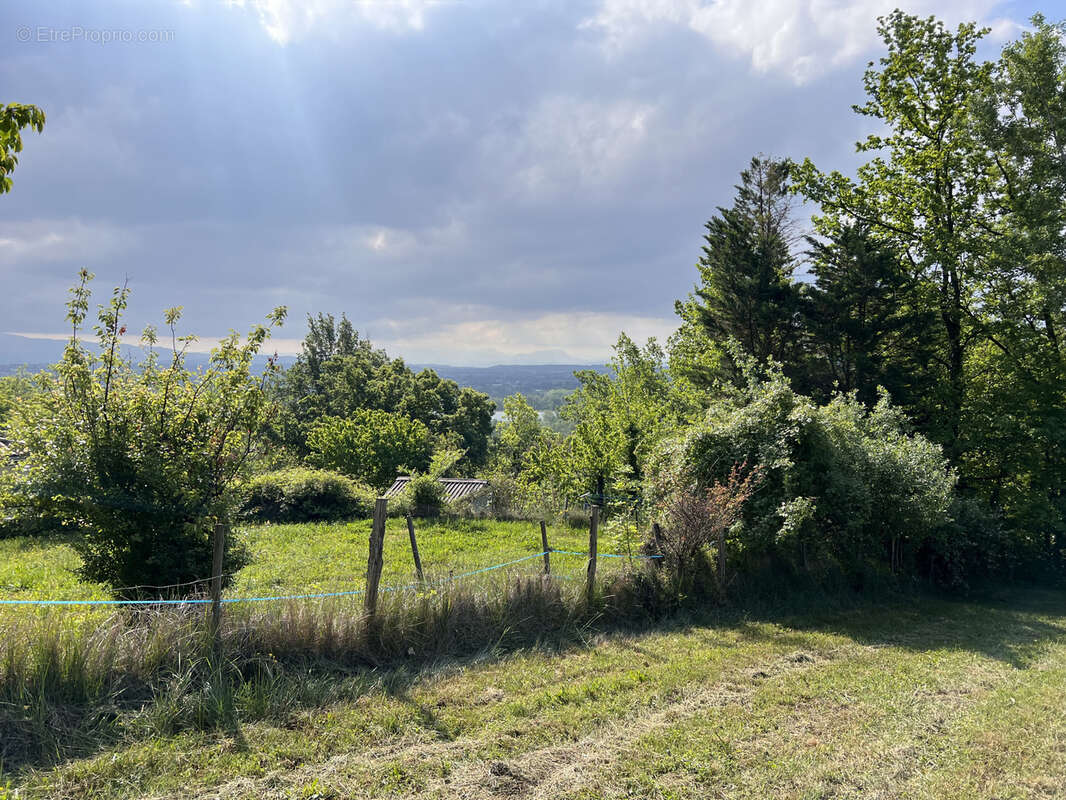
{"type": "Point", "coordinates": [543, 384]}
{"type": "Point", "coordinates": [23, 350]}
{"type": "Point", "coordinates": [13, 369]}
{"type": "Point", "coordinates": [192, 361]}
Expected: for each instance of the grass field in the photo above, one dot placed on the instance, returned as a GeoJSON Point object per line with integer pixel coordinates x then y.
{"type": "Point", "coordinates": [326, 557]}
{"type": "Point", "coordinates": [922, 699]}
{"type": "Point", "coordinates": [918, 698]}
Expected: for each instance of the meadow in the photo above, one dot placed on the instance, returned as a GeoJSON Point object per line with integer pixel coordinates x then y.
{"type": "Point", "coordinates": [330, 557]}
{"type": "Point", "coordinates": [73, 676]}
{"type": "Point", "coordinates": [918, 698]}
{"type": "Point", "coordinates": [823, 696]}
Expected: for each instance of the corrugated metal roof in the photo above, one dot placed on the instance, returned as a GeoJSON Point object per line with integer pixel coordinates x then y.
{"type": "Point", "coordinates": [454, 488]}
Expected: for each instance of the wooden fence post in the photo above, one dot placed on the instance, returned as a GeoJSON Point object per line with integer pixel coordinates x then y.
{"type": "Point", "coordinates": [414, 548]}
{"type": "Point", "coordinates": [657, 537]}
{"type": "Point", "coordinates": [594, 527]}
{"type": "Point", "coordinates": [374, 556]}
{"type": "Point", "coordinates": [216, 584]}
{"type": "Point", "coordinates": [721, 560]}
{"type": "Point", "coordinates": [544, 546]}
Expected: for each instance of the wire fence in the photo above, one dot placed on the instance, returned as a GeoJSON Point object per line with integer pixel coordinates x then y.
{"type": "Point", "coordinates": [416, 586]}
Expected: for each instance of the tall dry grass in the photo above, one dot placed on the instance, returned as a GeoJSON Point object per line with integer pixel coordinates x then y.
{"type": "Point", "coordinates": [67, 689]}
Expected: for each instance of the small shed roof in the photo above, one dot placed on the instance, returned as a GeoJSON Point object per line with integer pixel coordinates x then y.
{"type": "Point", "coordinates": [454, 488]}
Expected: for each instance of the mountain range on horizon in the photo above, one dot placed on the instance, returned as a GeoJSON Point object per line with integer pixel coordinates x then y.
{"type": "Point", "coordinates": [17, 350]}
{"type": "Point", "coordinates": [497, 380]}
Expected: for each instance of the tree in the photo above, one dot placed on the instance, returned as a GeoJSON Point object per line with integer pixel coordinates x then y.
{"type": "Point", "coordinates": [745, 291]}
{"type": "Point", "coordinates": [923, 191]}
{"type": "Point", "coordinates": [339, 374]}
{"type": "Point", "coordinates": [516, 435]}
{"type": "Point", "coordinates": [620, 417]}
{"type": "Point", "coordinates": [372, 446]}
{"type": "Point", "coordinates": [967, 185]}
{"type": "Point", "coordinates": [1016, 424]}
{"type": "Point", "coordinates": [140, 457]}
{"type": "Point", "coordinates": [866, 324]}
{"type": "Point", "coordinates": [1022, 119]}
{"type": "Point", "coordinates": [14, 117]}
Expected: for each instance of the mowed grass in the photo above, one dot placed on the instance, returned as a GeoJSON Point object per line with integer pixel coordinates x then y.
{"type": "Point", "coordinates": [75, 678]}
{"type": "Point", "coordinates": [928, 698]}
{"type": "Point", "coordinates": [921, 698]}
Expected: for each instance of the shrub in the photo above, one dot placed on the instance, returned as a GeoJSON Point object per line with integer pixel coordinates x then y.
{"type": "Point", "coordinates": [372, 446]}
{"type": "Point", "coordinates": [843, 487]}
{"type": "Point", "coordinates": [974, 545]}
{"type": "Point", "coordinates": [400, 505]}
{"type": "Point", "coordinates": [696, 518]}
{"type": "Point", "coordinates": [577, 517]}
{"type": "Point", "coordinates": [426, 495]}
{"type": "Point", "coordinates": [305, 495]}
{"type": "Point", "coordinates": [140, 458]}
{"type": "Point", "coordinates": [21, 518]}
{"type": "Point", "coordinates": [504, 495]}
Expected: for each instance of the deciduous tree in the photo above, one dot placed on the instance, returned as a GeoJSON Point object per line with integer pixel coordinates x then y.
{"type": "Point", "coordinates": [14, 118]}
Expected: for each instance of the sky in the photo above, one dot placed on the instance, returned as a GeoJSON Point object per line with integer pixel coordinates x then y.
{"type": "Point", "coordinates": [471, 181]}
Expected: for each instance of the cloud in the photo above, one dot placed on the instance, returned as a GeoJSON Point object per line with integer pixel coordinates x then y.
{"type": "Point", "coordinates": [60, 241]}
{"type": "Point", "coordinates": [289, 20]}
{"type": "Point", "coordinates": [468, 181]}
{"type": "Point", "coordinates": [575, 337]}
{"type": "Point", "coordinates": [385, 243]}
{"type": "Point", "coordinates": [564, 338]}
{"type": "Point", "coordinates": [801, 39]}
{"type": "Point", "coordinates": [567, 143]}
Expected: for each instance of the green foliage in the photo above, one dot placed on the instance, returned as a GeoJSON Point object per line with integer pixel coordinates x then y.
{"type": "Point", "coordinates": [843, 486]}
{"type": "Point", "coordinates": [615, 421]}
{"type": "Point", "coordinates": [924, 190]}
{"type": "Point", "coordinates": [426, 495]}
{"type": "Point", "coordinates": [372, 446]}
{"type": "Point", "coordinates": [338, 374]}
{"type": "Point", "coordinates": [620, 418]}
{"type": "Point", "coordinates": [1014, 423]}
{"type": "Point", "coordinates": [445, 462]}
{"type": "Point", "coordinates": [518, 433]}
{"type": "Point", "coordinates": [745, 291]}
{"type": "Point", "coordinates": [13, 118]}
{"type": "Point", "coordinates": [1014, 431]}
{"type": "Point", "coordinates": [14, 390]}
{"type": "Point", "coordinates": [305, 495]}
{"type": "Point", "coordinates": [965, 187]}
{"type": "Point", "coordinates": [974, 546]}
{"type": "Point", "coordinates": [139, 458]}
{"type": "Point", "coordinates": [19, 515]}
{"type": "Point", "coordinates": [866, 323]}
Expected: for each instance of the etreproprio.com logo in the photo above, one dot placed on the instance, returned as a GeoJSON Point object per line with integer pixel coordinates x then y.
{"type": "Point", "coordinates": [77, 33]}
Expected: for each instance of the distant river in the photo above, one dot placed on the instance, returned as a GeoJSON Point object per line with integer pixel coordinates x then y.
{"type": "Point", "coordinates": [498, 415]}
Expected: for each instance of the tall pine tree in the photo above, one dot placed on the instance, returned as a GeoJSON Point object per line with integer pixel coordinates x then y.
{"type": "Point", "coordinates": [868, 323]}
{"type": "Point", "coordinates": [745, 291]}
